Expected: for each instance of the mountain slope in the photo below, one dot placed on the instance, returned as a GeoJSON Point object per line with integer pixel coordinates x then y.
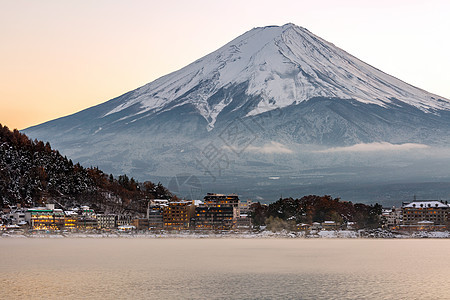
{"type": "Point", "coordinates": [281, 66]}
{"type": "Point", "coordinates": [271, 91]}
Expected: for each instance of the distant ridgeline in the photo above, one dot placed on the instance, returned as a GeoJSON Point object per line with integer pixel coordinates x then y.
{"type": "Point", "coordinates": [32, 173]}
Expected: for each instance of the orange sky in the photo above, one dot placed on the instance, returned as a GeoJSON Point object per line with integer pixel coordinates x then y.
{"type": "Point", "coordinates": [58, 57]}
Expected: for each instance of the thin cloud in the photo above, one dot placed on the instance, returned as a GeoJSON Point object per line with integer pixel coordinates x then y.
{"type": "Point", "coordinates": [372, 147]}
{"type": "Point", "coordinates": [270, 148]}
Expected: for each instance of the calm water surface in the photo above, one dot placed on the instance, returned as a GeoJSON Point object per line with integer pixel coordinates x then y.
{"type": "Point", "coordinates": [224, 269]}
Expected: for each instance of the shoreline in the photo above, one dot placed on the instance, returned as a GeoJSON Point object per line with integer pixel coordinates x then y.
{"type": "Point", "coordinates": [324, 234]}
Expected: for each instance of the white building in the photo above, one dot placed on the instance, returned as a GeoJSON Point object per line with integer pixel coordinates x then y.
{"type": "Point", "coordinates": [392, 217]}
{"type": "Point", "coordinates": [425, 210]}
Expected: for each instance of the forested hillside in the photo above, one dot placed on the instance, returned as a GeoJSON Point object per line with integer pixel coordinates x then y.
{"type": "Point", "coordinates": [308, 209]}
{"type": "Point", "coordinates": [32, 173]}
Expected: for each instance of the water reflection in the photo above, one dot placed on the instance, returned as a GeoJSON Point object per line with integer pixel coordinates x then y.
{"type": "Point", "coordinates": [224, 268]}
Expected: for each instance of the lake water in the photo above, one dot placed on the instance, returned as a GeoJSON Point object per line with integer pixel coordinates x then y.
{"type": "Point", "coordinates": [120, 268]}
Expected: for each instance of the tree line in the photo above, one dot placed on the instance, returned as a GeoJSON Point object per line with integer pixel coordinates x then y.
{"type": "Point", "coordinates": [288, 212]}
{"type": "Point", "coordinates": [31, 173]}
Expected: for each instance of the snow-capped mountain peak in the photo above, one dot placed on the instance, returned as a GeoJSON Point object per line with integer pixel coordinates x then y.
{"type": "Point", "coordinates": [282, 66]}
{"type": "Point", "coordinates": [276, 102]}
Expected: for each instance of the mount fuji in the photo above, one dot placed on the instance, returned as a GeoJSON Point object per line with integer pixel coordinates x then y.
{"type": "Point", "coordinates": [277, 106]}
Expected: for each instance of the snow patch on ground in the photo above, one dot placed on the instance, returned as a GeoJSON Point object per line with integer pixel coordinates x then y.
{"type": "Point", "coordinates": [327, 234]}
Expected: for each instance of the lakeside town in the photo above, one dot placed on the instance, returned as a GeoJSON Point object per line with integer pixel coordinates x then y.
{"type": "Point", "coordinates": [43, 193]}
{"type": "Point", "coordinates": [219, 214]}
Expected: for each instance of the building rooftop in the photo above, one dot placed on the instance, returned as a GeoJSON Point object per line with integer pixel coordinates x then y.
{"type": "Point", "coordinates": [181, 202]}
{"type": "Point", "coordinates": [39, 209]}
{"type": "Point", "coordinates": [198, 202]}
{"type": "Point", "coordinates": [160, 200]}
{"type": "Point", "coordinates": [426, 204]}
{"type": "Point", "coordinates": [425, 223]}
{"type": "Point", "coordinates": [70, 212]}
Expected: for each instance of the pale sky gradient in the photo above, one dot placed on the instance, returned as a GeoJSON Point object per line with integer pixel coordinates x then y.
{"type": "Point", "coordinates": [59, 57]}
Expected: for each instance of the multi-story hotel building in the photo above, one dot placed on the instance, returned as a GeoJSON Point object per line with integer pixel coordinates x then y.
{"type": "Point", "coordinates": [418, 212]}
{"type": "Point", "coordinates": [123, 220]}
{"type": "Point", "coordinates": [221, 200]}
{"type": "Point", "coordinates": [45, 218]}
{"type": "Point", "coordinates": [155, 211]}
{"type": "Point", "coordinates": [214, 217]}
{"type": "Point", "coordinates": [70, 221]}
{"type": "Point", "coordinates": [177, 214]}
{"type": "Point", "coordinates": [245, 207]}
{"type": "Point", "coordinates": [140, 223]}
{"type": "Point", "coordinates": [392, 217]}
{"type": "Point", "coordinates": [87, 223]}
{"type": "Point", "coordinates": [106, 221]}
{"type": "Point", "coordinates": [218, 212]}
